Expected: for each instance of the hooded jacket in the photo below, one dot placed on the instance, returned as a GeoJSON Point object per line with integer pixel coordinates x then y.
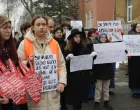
{"type": "Point", "coordinates": [50, 100]}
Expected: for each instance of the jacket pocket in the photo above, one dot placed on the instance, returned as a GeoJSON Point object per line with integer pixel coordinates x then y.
{"type": "Point", "coordinates": [55, 96]}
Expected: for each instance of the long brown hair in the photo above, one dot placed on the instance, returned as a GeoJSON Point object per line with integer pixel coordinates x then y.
{"type": "Point", "coordinates": [11, 49]}
{"type": "Point", "coordinates": [37, 17]}
{"type": "Point", "coordinates": [70, 43]}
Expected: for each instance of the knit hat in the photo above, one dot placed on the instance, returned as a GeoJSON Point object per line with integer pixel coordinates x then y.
{"type": "Point", "coordinates": [3, 20]}
{"type": "Point", "coordinates": [100, 35]}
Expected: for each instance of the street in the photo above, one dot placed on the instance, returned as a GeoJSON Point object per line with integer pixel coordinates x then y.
{"type": "Point", "coordinates": [122, 99]}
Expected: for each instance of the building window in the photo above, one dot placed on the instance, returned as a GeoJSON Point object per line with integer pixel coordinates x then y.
{"type": "Point", "coordinates": [129, 10]}
{"type": "Point", "coordinates": [89, 19]}
{"type": "Point", "coordinates": [87, 0]}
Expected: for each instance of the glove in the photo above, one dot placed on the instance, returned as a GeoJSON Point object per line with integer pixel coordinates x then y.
{"type": "Point", "coordinates": [70, 56]}
{"type": "Point", "coordinates": [93, 54]}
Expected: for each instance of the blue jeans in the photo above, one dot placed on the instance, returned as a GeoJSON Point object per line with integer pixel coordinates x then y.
{"type": "Point", "coordinates": [91, 91]}
{"type": "Point", "coordinates": [112, 81]}
{"type": "Point", "coordinates": [135, 90]}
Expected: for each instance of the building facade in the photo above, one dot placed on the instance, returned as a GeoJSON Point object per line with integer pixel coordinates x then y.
{"type": "Point", "coordinates": [128, 10]}
{"type": "Point", "coordinates": [91, 11]}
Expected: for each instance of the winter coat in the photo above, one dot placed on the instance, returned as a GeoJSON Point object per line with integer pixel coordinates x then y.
{"type": "Point", "coordinates": [89, 44]}
{"type": "Point", "coordinates": [62, 43]}
{"type": "Point", "coordinates": [133, 68]}
{"type": "Point", "coordinates": [77, 88]}
{"type": "Point", "coordinates": [17, 42]}
{"type": "Point", "coordinates": [50, 100]}
{"type": "Point", "coordinates": [103, 71]}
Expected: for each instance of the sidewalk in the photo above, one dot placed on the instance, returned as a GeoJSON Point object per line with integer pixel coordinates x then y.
{"type": "Point", "coordinates": [122, 99]}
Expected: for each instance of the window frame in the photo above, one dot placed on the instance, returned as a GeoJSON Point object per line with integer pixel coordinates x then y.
{"type": "Point", "coordinates": [129, 15]}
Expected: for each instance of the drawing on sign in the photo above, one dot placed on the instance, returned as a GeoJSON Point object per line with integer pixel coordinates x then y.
{"type": "Point", "coordinates": [111, 28]}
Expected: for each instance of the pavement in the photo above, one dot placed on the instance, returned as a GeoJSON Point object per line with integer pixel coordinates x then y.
{"type": "Point", "coordinates": [122, 100]}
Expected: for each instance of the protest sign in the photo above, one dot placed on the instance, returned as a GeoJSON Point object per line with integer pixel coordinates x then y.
{"type": "Point", "coordinates": [13, 82]}
{"type": "Point", "coordinates": [19, 87]}
{"type": "Point", "coordinates": [76, 25]}
{"type": "Point", "coordinates": [82, 62]}
{"type": "Point", "coordinates": [111, 28]}
{"type": "Point", "coordinates": [11, 85]}
{"type": "Point", "coordinates": [32, 84]}
{"type": "Point", "coordinates": [110, 52]}
{"type": "Point", "coordinates": [47, 65]}
{"type": "Point", "coordinates": [67, 34]}
{"type": "Point", "coordinates": [132, 43]}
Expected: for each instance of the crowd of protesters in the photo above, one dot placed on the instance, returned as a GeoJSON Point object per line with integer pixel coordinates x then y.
{"type": "Point", "coordinates": [42, 36]}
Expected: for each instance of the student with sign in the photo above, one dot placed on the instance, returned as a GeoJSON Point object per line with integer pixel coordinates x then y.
{"type": "Point", "coordinates": [37, 41]}
{"type": "Point", "coordinates": [133, 67]}
{"type": "Point", "coordinates": [8, 50]}
{"type": "Point", "coordinates": [78, 82]}
{"type": "Point", "coordinates": [103, 74]}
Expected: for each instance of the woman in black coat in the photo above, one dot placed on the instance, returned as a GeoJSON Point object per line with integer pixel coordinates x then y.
{"type": "Point", "coordinates": [77, 82]}
{"type": "Point", "coordinates": [133, 67]}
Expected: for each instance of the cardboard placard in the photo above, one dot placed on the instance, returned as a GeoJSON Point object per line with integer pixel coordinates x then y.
{"type": "Point", "coordinates": [111, 28]}
{"type": "Point", "coordinates": [47, 65]}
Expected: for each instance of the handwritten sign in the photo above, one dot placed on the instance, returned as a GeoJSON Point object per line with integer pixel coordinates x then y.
{"type": "Point", "coordinates": [76, 25]}
{"type": "Point", "coordinates": [82, 62]}
{"type": "Point", "coordinates": [132, 43]}
{"type": "Point", "coordinates": [47, 65]}
{"type": "Point", "coordinates": [111, 28]}
{"type": "Point", "coordinates": [110, 52]}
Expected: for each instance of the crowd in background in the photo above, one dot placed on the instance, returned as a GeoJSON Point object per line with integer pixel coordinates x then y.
{"type": "Point", "coordinates": [75, 87]}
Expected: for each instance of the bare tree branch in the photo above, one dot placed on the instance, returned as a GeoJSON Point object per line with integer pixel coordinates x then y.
{"type": "Point", "coordinates": [26, 5]}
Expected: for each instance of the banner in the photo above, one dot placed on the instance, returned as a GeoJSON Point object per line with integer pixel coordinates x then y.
{"type": "Point", "coordinates": [11, 86]}
{"type": "Point", "coordinates": [47, 65]}
{"type": "Point", "coordinates": [67, 34]}
{"type": "Point", "coordinates": [111, 28]}
{"type": "Point", "coordinates": [132, 43]}
{"type": "Point", "coordinates": [14, 83]}
{"type": "Point", "coordinates": [82, 62]}
{"type": "Point", "coordinates": [110, 52]}
{"type": "Point", "coordinates": [33, 83]}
